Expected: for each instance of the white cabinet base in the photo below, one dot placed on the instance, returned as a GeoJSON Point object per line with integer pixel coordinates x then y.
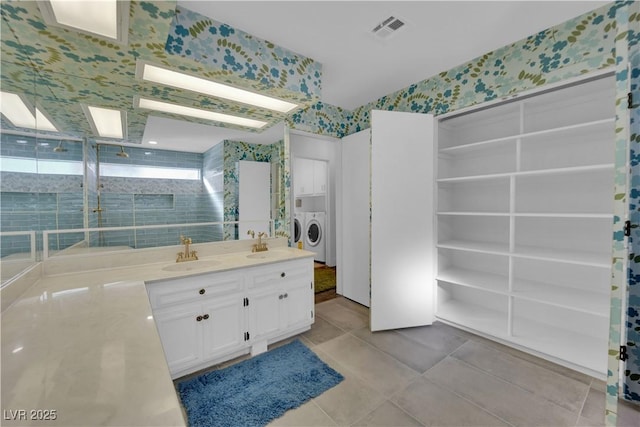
{"type": "Point", "coordinates": [207, 319]}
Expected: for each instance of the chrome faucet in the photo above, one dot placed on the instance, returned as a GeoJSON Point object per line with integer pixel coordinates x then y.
{"type": "Point", "coordinates": [186, 255]}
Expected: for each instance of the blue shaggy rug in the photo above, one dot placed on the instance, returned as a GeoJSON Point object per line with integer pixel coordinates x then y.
{"type": "Point", "coordinates": [258, 390]}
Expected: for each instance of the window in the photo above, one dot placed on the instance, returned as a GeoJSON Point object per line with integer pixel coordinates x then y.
{"type": "Point", "coordinates": [137, 171]}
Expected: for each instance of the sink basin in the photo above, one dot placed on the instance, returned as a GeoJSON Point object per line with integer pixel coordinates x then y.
{"type": "Point", "coordinates": [266, 255]}
{"type": "Point", "coordinates": [191, 265]}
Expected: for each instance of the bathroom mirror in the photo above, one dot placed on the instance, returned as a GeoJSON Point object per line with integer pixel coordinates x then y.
{"type": "Point", "coordinates": [77, 181]}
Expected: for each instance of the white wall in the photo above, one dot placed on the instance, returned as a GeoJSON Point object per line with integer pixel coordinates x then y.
{"type": "Point", "coordinates": [321, 148]}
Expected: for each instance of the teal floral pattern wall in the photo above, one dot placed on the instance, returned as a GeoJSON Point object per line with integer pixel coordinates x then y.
{"type": "Point", "coordinates": [632, 367]}
{"type": "Point", "coordinates": [231, 53]}
{"type": "Point", "coordinates": [578, 46]}
{"type": "Point", "coordinates": [233, 152]}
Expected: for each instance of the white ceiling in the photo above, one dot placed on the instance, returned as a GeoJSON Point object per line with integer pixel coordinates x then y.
{"type": "Point", "coordinates": [358, 67]}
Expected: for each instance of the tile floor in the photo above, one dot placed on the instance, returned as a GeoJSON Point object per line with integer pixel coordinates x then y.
{"type": "Point", "coordinates": [440, 376]}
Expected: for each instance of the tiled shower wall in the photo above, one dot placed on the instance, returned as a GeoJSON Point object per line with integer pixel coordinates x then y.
{"type": "Point", "coordinates": [35, 201]}
{"type": "Point", "coordinates": [145, 201]}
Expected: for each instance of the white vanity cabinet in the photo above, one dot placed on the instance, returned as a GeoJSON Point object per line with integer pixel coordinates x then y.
{"type": "Point", "coordinates": [213, 317]}
{"type": "Point", "coordinates": [280, 298]}
{"type": "Point", "coordinates": [199, 318]}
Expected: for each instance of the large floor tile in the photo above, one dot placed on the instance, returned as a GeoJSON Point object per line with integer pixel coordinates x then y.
{"type": "Point", "coordinates": [376, 368]}
{"type": "Point", "coordinates": [352, 305]}
{"type": "Point", "coordinates": [388, 414]}
{"type": "Point", "coordinates": [435, 337]}
{"type": "Point", "coordinates": [433, 405]}
{"type": "Point", "coordinates": [503, 399]}
{"type": "Point", "coordinates": [628, 414]}
{"type": "Point", "coordinates": [322, 331]}
{"type": "Point", "coordinates": [562, 370]}
{"type": "Point", "coordinates": [412, 353]}
{"type": "Point", "coordinates": [561, 390]}
{"type": "Point", "coordinates": [593, 409]}
{"type": "Point", "coordinates": [341, 316]}
{"type": "Point", "coordinates": [307, 415]}
{"type": "Point", "coordinates": [349, 401]}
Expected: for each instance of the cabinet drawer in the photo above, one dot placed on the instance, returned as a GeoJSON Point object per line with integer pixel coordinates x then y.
{"type": "Point", "coordinates": [196, 288]}
{"type": "Point", "coordinates": [279, 273]}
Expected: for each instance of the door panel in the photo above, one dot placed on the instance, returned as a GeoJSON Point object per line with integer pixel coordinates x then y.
{"type": "Point", "coordinates": [354, 268]}
{"type": "Point", "coordinates": [402, 229]}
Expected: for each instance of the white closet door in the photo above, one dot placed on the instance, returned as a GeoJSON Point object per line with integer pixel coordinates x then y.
{"type": "Point", "coordinates": [254, 198]}
{"type": "Point", "coordinates": [402, 230]}
{"type": "Point", "coordinates": [353, 267]}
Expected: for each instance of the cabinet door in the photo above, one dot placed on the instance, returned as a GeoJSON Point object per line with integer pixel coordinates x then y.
{"type": "Point", "coordinates": [319, 177]}
{"type": "Point", "coordinates": [265, 313]}
{"type": "Point", "coordinates": [303, 176]}
{"type": "Point", "coordinates": [181, 336]}
{"type": "Point", "coordinates": [297, 304]}
{"type": "Point", "coordinates": [224, 325]}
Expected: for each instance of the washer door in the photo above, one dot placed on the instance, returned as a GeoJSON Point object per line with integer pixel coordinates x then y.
{"type": "Point", "coordinates": [297, 230]}
{"type": "Point", "coordinates": [314, 233]}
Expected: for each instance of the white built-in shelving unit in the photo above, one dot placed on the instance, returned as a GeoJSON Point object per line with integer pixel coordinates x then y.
{"type": "Point", "coordinates": [525, 201]}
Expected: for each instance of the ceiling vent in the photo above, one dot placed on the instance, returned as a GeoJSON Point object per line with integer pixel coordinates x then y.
{"type": "Point", "coordinates": [387, 27]}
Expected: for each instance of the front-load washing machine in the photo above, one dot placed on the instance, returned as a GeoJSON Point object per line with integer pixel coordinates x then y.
{"type": "Point", "coordinates": [299, 224]}
{"type": "Point", "coordinates": [314, 235]}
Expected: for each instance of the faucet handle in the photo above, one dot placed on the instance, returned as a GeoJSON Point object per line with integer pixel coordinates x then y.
{"type": "Point", "coordinates": [263, 234]}
{"type": "Point", "coordinates": [251, 233]}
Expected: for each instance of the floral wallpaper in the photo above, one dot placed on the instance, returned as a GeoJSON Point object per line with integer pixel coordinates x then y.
{"type": "Point", "coordinates": [631, 387]}
{"type": "Point", "coordinates": [235, 151]}
{"type": "Point", "coordinates": [59, 69]}
{"type": "Point", "coordinates": [578, 46]}
{"type": "Point", "coordinates": [231, 53]}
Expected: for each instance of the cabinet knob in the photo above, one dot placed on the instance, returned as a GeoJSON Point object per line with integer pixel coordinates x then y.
{"type": "Point", "coordinates": [286, 295]}
{"type": "Point", "coordinates": [280, 296]}
{"type": "Point", "coordinates": [205, 317]}
{"type": "Point", "coordinates": [283, 274]}
{"type": "Point", "coordinates": [201, 291]}
{"type": "Point", "coordinates": [199, 319]}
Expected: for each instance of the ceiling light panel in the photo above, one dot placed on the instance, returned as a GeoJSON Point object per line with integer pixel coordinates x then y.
{"type": "Point", "coordinates": [105, 18]}
{"type": "Point", "coordinates": [182, 110]}
{"type": "Point", "coordinates": [16, 110]}
{"type": "Point", "coordinates": [106, 122]}
{"type": "Point", "coordinates": [152, 73]}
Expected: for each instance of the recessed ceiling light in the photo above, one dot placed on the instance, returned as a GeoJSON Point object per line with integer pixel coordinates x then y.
{"type": "Point", "coordinates": [152, 73]}
{"type": "Point", "coordinates": [106, 122]}
{"type": "Point", "coordinates": [16, 110]}
{"type": "Point", "coordinates": [153, 142]}
{"type": "Point", "coordinates": [105, 18]}
{"type": "Point", "coordinates": [198, 113]}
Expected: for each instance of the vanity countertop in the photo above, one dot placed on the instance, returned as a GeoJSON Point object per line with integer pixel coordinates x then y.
{"type": "Point", "coordinates": [82, 349]}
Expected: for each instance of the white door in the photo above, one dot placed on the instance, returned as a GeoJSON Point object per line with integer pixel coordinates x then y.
{"type": "Point", "coordinates": [402, 229]}
{"type": "Point", "coordinates": [354, 243]}
{"type": "Point", "coordinates": [254, 198]}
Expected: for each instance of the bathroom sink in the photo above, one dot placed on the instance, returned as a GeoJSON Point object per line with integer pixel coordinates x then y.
{"type": "Point", "coordinates": [191, 265]}
{"type": "Point", "coordinates": [266, 255]}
